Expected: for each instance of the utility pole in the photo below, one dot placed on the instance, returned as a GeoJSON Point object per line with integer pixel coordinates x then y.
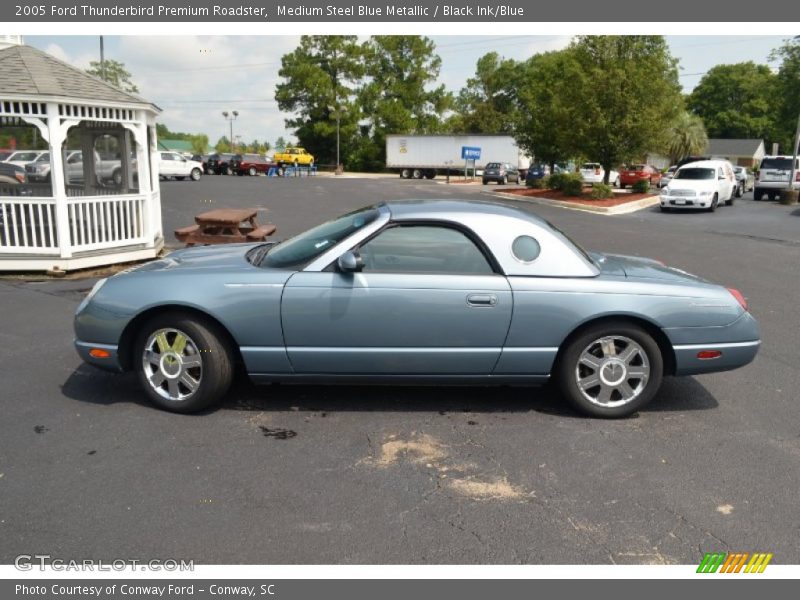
{"type": "Point", "coordinates": [230, 117]}
{"type": "Point", "coordinates": [102, 60]}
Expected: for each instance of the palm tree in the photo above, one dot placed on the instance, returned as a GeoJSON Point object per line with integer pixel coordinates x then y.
{"type": "Point", "coordinates": [686, 136]}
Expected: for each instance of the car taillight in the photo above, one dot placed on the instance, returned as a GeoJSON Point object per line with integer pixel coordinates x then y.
{"type": "Point", "coordinates": [20, 177]}
{"type": "Point", "coordinates": [797, 176]}
{"type": "Point", "coordinates": [739, 298]}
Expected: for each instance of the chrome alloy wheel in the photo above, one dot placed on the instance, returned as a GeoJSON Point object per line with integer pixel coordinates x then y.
{"type": "Point", "coordinates": [612, 371]}
{"type": "Point", "coordinates": [172, 364]}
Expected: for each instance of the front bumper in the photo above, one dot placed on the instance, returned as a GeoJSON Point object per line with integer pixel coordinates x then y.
{"type": "Point", "coordinates": [695, 202]}
{"type": "Point", "coordinates": [109, 363]}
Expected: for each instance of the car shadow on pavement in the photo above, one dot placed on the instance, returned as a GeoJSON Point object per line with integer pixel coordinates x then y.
{"type": "Point", "coordinates": [93, 386]}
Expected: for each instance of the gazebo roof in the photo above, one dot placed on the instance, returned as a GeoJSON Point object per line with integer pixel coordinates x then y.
{"type": "Point", "coordinates": [25, 70]}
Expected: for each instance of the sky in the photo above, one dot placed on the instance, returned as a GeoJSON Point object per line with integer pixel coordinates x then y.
{"type": "Point", "coordinates": [194, 78]}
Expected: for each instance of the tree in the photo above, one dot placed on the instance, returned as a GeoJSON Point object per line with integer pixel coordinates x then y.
{"type": "Point", "coordinates": [199, 143]}
{"type": "Point", "coordinates": [685, 137]}
{"type": "Point", "coordinates": [628, 93]}
{"type": "Point", "coordinates": [280, 144]}
{"type": "Point", "coordinates": [488, 103]}
{"type": "Point", "coordinates": [319, 79]}
{"type": "Point", "coordinates": [399, 97]}
{"type": "Point", "coordinates": [737, 101]}
{"type": "Point", "coordinates": [223, 144]}
{"type": "Point", "coordinates": [115, 73]}
{"type": "Point", "coordinates": [545, 123]}
{"type": "Point", "coordinates": [787, 92]}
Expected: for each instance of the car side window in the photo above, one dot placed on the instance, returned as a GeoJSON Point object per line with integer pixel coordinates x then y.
{"type": "Point", "coordinates": [423, 249]}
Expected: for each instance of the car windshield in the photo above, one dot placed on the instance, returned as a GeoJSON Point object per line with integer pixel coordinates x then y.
{"type": "Point", "coordinates": [307, 246]}
{"type": "Point", "coordinates": [590, 166]}
{"type": "Point", "coordinates": [493, 166]}
{"type": "Point", "coordinates": [784, 164]}
{"type": "Point", "coordinates": [635, 167]}
{"type": "Point", "coordinates": [695, 173]}
{"type": "Point", "coordinates": [26, 156]}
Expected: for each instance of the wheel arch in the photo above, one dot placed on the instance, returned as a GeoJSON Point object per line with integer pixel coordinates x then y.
{"type": "Point", "coordinates": [654, 330]}
{"type": "Point", "coordinates": [125, 350]}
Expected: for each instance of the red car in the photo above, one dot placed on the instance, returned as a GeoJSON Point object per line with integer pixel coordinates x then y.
{"type": "Point", "coordinates": [630, 174]}
{"type": "Point", "coordinates": [249, 164]}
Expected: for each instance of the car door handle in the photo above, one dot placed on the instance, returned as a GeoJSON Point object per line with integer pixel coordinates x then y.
{"type": "Point", "coordinates": [481, 299]}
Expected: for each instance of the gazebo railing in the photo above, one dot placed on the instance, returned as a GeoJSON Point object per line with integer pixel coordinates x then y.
{"type": "Point", "coordinates": [28, 224]}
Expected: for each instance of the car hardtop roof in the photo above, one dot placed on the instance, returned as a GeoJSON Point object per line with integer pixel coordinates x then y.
{"type": "Point", "coordinates": [705, 164]}
{"type": "Point", "coordinates": [409, 210]}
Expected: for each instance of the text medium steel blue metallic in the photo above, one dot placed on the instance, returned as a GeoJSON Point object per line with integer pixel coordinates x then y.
{"type": "Point", "coordinates": [417, 291]}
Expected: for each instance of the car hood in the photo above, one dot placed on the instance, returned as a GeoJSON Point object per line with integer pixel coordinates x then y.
{"type": "Point", "coordinates": [635, 267]}
{"type": "Point", "coordinates": [698, 185]}
{"type": "Point", "coordinates": [228, 256]}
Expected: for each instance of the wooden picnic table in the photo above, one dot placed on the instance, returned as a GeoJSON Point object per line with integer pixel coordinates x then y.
{"type": "Point", "coordinates": [225, 226]}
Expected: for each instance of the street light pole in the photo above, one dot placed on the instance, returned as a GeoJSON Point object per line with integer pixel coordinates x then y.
{"type": "Point", "coordinates": [230, 117]}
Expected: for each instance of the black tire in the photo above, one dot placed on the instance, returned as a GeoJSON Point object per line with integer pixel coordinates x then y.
{"type": "Point", "coordinates": [714, 202]}
{"type": "Point", "coordinates": [416, 174]}
{"type": "Point", "coordinates": [504, 181]}
{"type": "Point", "coordinates": [216, 370]}
{"type": "Point", "coordinates": [196, 174]}
{"type": "Point", "coordinates": [485, 181]}
{"type": "Point", "coordinates": [568, 366]}
{"type": "Point", "coordinates": [405, 174]}
{"type": "Point", "coordinates": [252, 172]}
{"type": "Point", "coordinates": [757, 194]}
{"type": "Point", "coordinates": [281, 171]}
{"type": "Point", "coordinates": [666, 209]}
{"type": "Point", "coordinates": [621, 185]}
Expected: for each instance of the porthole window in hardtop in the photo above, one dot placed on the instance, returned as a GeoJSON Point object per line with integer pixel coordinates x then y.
{"type": "Point", "coordinates": [525, 249]}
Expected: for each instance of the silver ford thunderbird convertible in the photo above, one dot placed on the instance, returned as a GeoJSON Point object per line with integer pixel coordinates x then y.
{"type": "Point", "coordinates": [421, 291]}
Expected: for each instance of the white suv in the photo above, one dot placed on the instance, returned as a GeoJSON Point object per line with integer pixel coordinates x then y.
{"type": "Point", "coordinates": [701, 185]}
{"type": "Point", "coordinates": [773, 176]}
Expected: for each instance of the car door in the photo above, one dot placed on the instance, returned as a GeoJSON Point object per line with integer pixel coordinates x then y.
{"type": "Point", "coordinates": [428, 301]}
{"type": "Point", "coordinates": [166, 165]}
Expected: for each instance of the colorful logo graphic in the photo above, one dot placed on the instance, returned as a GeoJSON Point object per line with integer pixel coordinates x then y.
{"type": "Point", "coordinates": [734, 562]}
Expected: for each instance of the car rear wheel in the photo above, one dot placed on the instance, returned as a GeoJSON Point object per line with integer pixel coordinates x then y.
{"type": "Point", "coordinates": [252, 172]}
{"type": "Point", "coordinates": [610, 370]}
{"type": "Point", "coordinates": [183, 364]}
{"type": "Point", "coordinates": [196, 174]}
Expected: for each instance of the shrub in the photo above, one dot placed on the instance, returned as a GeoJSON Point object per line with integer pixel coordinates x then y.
{"type": "Point", "coordinates": [555, 181]}
{"type": "Point", "coordinates": [642, 186]}
{"type": "Point", "coordinates": [572, 184]}
{"type": "Point", "coordinates": [542, 183]}
{"type": "Point", "coordinates": [601, 191]}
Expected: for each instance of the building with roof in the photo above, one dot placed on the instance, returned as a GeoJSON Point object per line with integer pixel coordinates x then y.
{"type": "Point", "coordinates": [180, 146]}
{"type": "Point", "coordinates": [741, 152]}
{"type": "Point", "coordinates": [96, 201]}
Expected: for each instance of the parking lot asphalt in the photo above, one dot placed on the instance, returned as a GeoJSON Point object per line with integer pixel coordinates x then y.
{"type": "Point", "coordinates": [316, 474]}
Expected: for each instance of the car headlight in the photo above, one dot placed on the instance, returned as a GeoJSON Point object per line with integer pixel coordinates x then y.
{"type": "Point", "coordinates": [96, 288]}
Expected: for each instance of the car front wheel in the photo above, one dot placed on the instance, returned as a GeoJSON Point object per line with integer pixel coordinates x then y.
{"type": "Point", "coordinates": [183, 364]}
{"type": "Point", "coordinates": [610, 370]}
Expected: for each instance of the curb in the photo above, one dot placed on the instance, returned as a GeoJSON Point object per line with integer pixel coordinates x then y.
{"type": "Point", "coordinates": [620, 209]}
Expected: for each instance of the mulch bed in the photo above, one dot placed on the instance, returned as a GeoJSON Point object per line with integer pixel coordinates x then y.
{"type": "Point", "coordinates": [619, 197]}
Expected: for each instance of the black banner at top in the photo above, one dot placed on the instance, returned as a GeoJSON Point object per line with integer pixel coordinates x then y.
{"type": "Point", "coordinates": [614, 11]}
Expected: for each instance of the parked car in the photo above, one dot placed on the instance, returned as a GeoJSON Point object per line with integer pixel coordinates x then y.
{"type": "Point", "coordinates": [595, 173]}
{"type": "Point", "coordinates": [420, 291]}
{"type": "Point", "coordinates": [107, 170]}
{"type": "Point", "coordinates": [745, 178]}
{"type": "Point", "coordinates": [172, 164]}
{"type": "Point", "coordinates": [537, 171]}
{"type": "Point", "coordinates": [23, 157]}
{"type": "Point", "coordinates": [39, 169]}
{"type": "Point", "coordinates": [500, 173]}
{"type": "Point", "coordinates": [203, 160]}
{"type": "Point", "coordinates": [11, 174]}
{"type": "Point", "coordinates": [219, 164]}
{"type": "Point", "coordinates": [701, 185]}
{"type": "Point", "coordinates": [249, 164]}
{"type": "Point", "coordinates": [667, 176]}
{"type": "Point", "coordinates": [633, 173]}
{"type": "Point", "coordinates": [297, 157]}
{"type": "Point", "coordinates": [773, 176]}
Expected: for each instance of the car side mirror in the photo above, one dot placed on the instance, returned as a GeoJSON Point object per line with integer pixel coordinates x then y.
{"type": "Point", "coordinates": [350, 262]}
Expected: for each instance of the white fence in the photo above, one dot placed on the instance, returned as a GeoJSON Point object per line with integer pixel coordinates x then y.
{"type": "Point", "coordinates": [29, 225]}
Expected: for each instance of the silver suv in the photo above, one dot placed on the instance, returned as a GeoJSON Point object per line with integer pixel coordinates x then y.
{"type": "Point", "coordinates": [773, 176]}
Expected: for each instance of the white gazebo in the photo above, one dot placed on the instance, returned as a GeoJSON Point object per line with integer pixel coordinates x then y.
{"type": "Point", "coordinates": [99, 202]}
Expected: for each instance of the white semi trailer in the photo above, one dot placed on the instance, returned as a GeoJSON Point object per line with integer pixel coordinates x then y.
{"type": "Point", "coordinates": [418, 156]}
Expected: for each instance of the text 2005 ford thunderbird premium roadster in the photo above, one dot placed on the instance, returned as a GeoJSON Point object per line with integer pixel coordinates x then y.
{"type": "Point", "coordinates": [416, 291]}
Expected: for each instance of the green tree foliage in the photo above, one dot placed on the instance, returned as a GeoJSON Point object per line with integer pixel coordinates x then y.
{"type": "Point", "coordinates": [223, 144]}
{"type": "Point", "coordinates": [488, 103]}
{"type": "Point", "coordinates": [628, 90]}
{"type": "Point", "coordinates": [685, 137]}
{"type": "Point", "coordinates": [199, 143]}
{"type": "Point", "coordinates": [788, 92]}
{"type": "Point", "coordinates": [280, 144]}
{"type": "Point", "coordinates": [545, 123]}
{"type": "Point", "coordinates": [115, 73]}
{"type": "Point", "coordinates": [736, 101]}
{"type": "Point", "coordinates": [319, 78]}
